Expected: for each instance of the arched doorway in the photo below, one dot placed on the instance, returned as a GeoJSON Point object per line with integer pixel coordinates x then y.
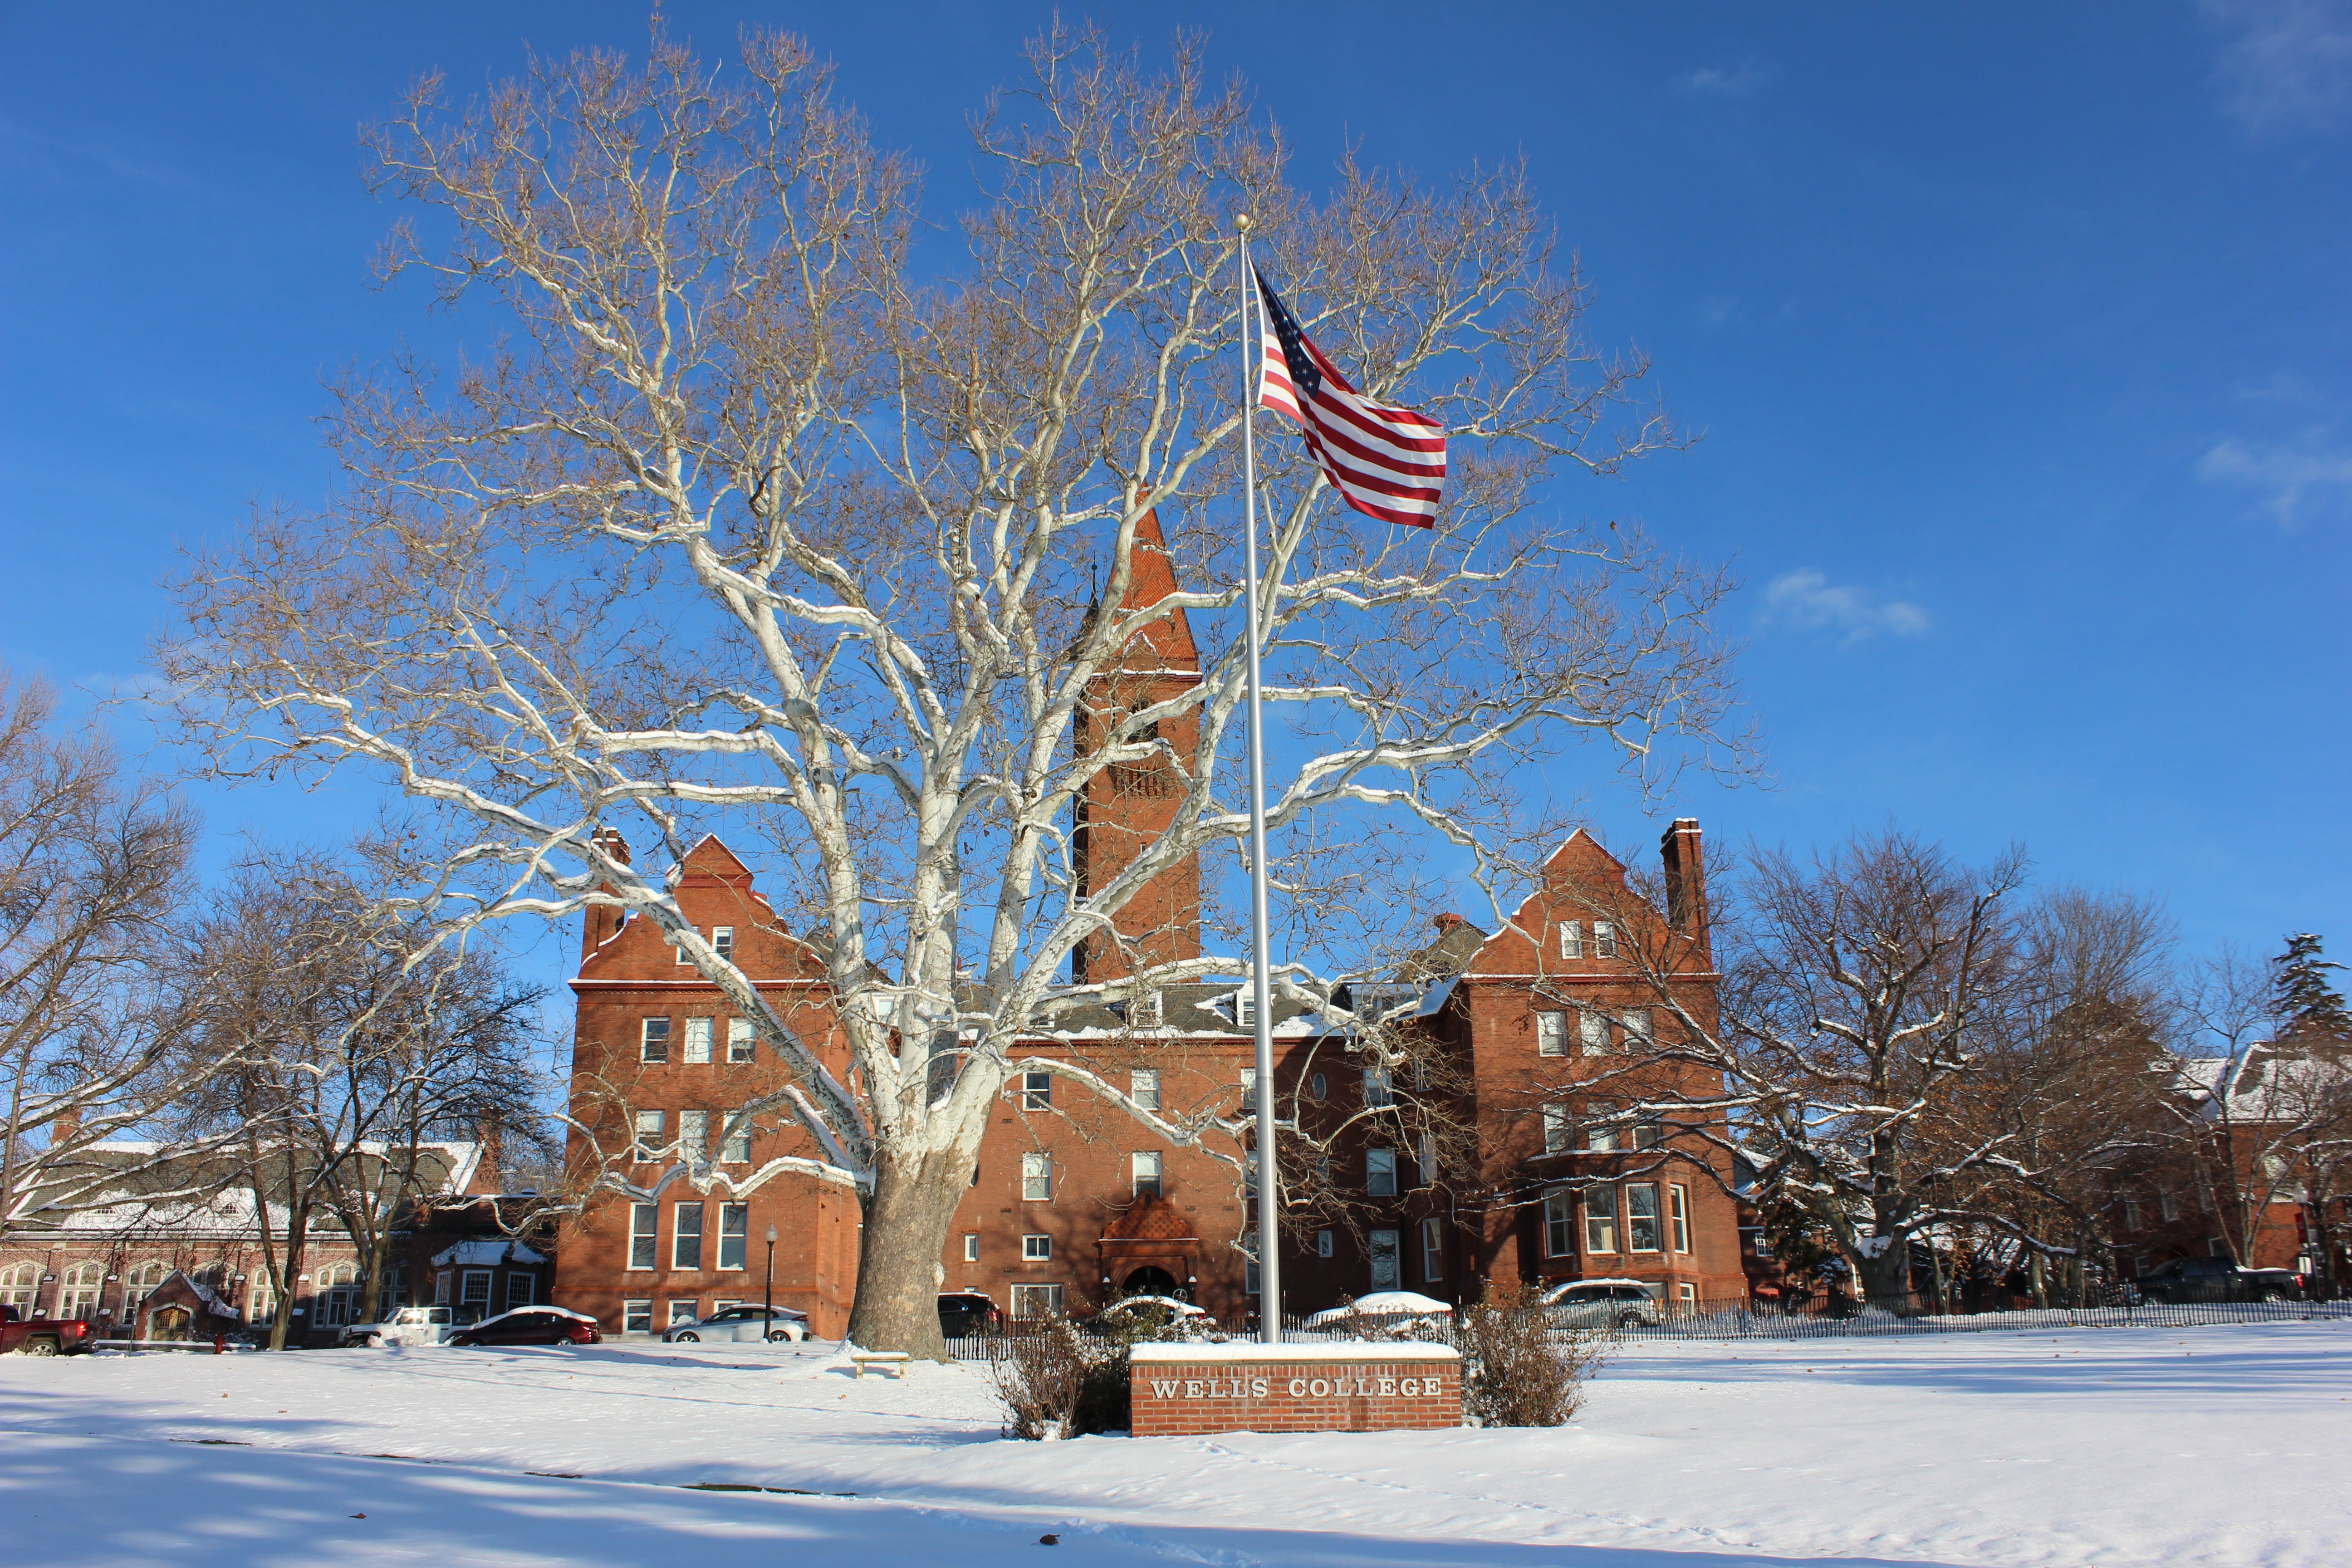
{"type": "Point", "coordinates": [1149, 1280]}
{"type": "Point", "coordinates": [169, 1323]}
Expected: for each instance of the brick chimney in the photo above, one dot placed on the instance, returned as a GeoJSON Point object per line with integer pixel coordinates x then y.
{"type": "Point", "coordinates": [1685, 865]}
{"type": "Point", "coordinates": [1448, 922]}
{"type": "Point", "coordinates": [65, 1128]}
{"type": "Point", "coordinates": [597, 929]}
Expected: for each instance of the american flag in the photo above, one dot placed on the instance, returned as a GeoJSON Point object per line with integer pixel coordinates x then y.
{"type": "Point", "coordinates": [1388, 463]}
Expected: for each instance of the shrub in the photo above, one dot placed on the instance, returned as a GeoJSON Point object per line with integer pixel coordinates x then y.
{"type": "Point", "coordinates": [1057, 1383]}
{"type": "Point", "coordinates": [1515, 1370]}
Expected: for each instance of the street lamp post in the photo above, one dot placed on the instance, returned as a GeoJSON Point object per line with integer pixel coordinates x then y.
{"type": "Point", "coordinates": [768, 1297]}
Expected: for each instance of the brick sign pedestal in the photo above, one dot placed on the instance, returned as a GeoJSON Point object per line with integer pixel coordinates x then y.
{"type": "Point", "coordinates": [1351, 1386]}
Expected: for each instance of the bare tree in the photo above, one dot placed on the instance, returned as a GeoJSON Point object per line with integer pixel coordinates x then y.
{"type": "Point", "coordinates": [757, 519]}
{"type": "Point", "coordinates": [92, 863]}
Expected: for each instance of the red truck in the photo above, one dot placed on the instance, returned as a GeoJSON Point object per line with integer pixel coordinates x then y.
{"type": "Point", "coordinates": [44, 1336]}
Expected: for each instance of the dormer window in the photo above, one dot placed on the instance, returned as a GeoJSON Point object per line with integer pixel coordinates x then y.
{"type": "Point", "coordinates": [1245, 1009]}
{"type": "Point", "coordinates": [1144, 1012]}
{"type": "Point", "coordinates": [1571, 939]}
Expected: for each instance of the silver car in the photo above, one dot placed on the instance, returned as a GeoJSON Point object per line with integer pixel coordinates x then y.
{"type": "Point", "coordinates": [740, 1324]}
{"type": "Point", "coordinates": [1600, 1304]}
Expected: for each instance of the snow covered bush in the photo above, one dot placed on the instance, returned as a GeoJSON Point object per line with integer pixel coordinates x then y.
{"type": "Point", "coordinates": [1057, 1382]}
{"type": "Point", "coordinates": [1515, 1373]}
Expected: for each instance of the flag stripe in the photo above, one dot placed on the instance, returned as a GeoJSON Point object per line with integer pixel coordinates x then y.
{"type": "Point", "coordinates": [1386, 462]}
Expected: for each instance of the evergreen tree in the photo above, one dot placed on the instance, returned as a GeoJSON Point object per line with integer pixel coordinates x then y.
{"type": "Point", "coordinates": [2306, 1002]}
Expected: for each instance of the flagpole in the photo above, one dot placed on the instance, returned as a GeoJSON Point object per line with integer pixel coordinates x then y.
{"type": "Point", "coordinates": [1269, 1209]}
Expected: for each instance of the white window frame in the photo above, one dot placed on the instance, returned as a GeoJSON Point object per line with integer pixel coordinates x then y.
{"type": "Point", "coordinates": [648, 1130]}
{"type": "Point", "coordinates": [1147, 1172]}
{"type": "Point", "coordinates": [1635, 1192]}
{"type": "Point", "coordinates": [1037, 1177]}
{"type": "Point", "coordinates": [693, 1134]}
{"type": "Point", "coordinates": [684, 1310]}
{"type": "Point", "coordinates": [1143, 1088]}
{"type": "Point", "coordinates": [1379, 1089]}
{"type": "Point", "coordinates": [742, 1042]}
{"type": "Point", "coordinates": [1601, 1223]}
{"type": "Point", "coordinates": [1601, 1127]}
{"type": "Point", "coordinates": [1636, 1023]}
{"type": "Point", "coordinates": [1143, 1012]}
{"type": "Point", "coordinates": [653, 1040]}
{"type": "Point", "coordinates": [972, 1247]}
{"type": "Point", "coordinates": [644, 1234]}
{"type": "Point", "coordinates": [637, 1315]}
{"type": "Point", "coordinates": [1037, 1247]}
{"type": "Point", "coordinates": [1385, 1259]}
{"type": "Point", "coordinates": [1028, 1299]}
{"type": "Point", "coordinates": [678, 1234]}
{"type": "Point", "coordinates": [1552, 1033]}
{"type": "Point", "coordinates": [1559, 1222]}
{"type": "Point", "coordinates": [1571, 939]}
{"type": "Point", "coordinates": [1678, 1215]}
{"type": "Point", "coordinates": [1593, 1032]}
{"type": "Point", "coordinates": [1432, 1250]}
{"type": "Point", "coordinates": [1559, 1130]}
{"type": "Point", "coordinates": [1604, 940]}
{"type": "Point", "coordinates": [735, 1148]}
{"type": "Point", "coordinates": [1379, 1173]}
{"type": "Point", "coordinates": [722, 938]}
{"type": "Point", "coordinates": [1036, 1091]}
{"type": "Point", "coordinates": [1245, 1009]}
{"type": "Point", "coordinates": [694, 1051]}
{"type": "Point", "coordinates": [740, 1215]}
{"type": "Point", "coordinates": [523, 1289]}
{"type": "Point", "coordinates": [1686, 1297]}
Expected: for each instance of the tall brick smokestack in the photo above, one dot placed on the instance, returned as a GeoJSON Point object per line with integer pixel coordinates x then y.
{"type": "Point", "coordinates": [597, 929]}
{"type": "Point", "coordinates": [1685, 866]}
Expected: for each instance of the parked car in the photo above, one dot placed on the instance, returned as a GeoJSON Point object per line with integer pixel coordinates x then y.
{"type": "Point", "coordinates": [44, 1336]}
{"type": "Point", "coordinates": [408, 1326]}
{"type": "Point", "coordinates": [1599, 1304]}
{"type": "Point", "coordinates": [1128, 1312]}
{"type": "Point", "coordinates": [531, 1326]}
{"type": "Point", "coordinates": [1391, 1312]}
{"type": "Point", "coordinates": [965, 1313]}
{"type": "Point", "coordinates": [2218, 1279]}
{"type": "Point", "coordinates": [738, 1323]}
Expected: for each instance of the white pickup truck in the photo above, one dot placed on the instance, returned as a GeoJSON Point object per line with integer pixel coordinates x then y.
{"type": "Point", "coordinates": [409, 1326]}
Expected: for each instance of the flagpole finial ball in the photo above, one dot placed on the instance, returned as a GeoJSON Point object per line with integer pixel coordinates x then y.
{"type": "Point", "coordinates": [1241, 221]}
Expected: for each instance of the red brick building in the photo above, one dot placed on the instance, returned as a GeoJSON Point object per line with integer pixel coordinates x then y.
{"type": "Point", "coordinates": [1539, 1034]}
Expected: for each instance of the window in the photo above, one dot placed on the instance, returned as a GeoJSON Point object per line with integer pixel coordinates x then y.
{"type": "Point", "coordinates": [1144, 1168]}
{"type": "Point", "coordinates": [641, 1236]}
{"type": "Point", "coordinates": [1245, 1009]}
{"type": "Point", "coordinates": [649, 1133]}
{"type": "Point", "coordinates": [1678, 1212]}
{"type": "Point", "coordinates": [737, 1148]}
{"type": "Point", "coordinates": [680, 949]}
{"type": "Point", "coordinates": [1322, 1243]}
{"type": "Point", "coordinates": [261, 1302]}
{"type": "Point", "coordinates": [697, 1042]}
{"type": "Point", "coordinates": [441, 1288]}
{"type": "Point", "coordinates": [1034, 1301]}
{"type": "Point", "coordinates": [142, 1281]}
{"type": "Point", "coordinates": [1600, 1220]}
{"type": "Point", "coordinates": [1552, 1033]}
{"type": "Point", "coordinates": [972, 1247]}
{"type": "Point", "coordinates": [1251, 1284]}
{"type": "Point", "coordinates": [473, 1296]}
{"type": "Point", "coordinates": [1560, 1223]}
{"type": "Point", "coordinates": [1601, 1130]}
{"type": "Point", "coordinates": [1555, 1126]}
{"type": "Point", "coordinates": [1686, 1297]}
{"type": "Point", "coordinates": [1433, 1249]}
{"type": "Point", "coordinates": [18, 1285]}
{"type": "Point", "coordinates": [1571, 939]}
{"type": "Point", "coordinates": [723, 939]}
{"type": "Point", "coordinates": [77, 1291]}
{"type": "Point", "coordinates": [1037, 1177]}
{"type": "Point", "coordinates": [1645, 1133]}
{"type": "Point", "coordinates": [686, 1237]}
{"type": "Point", "coordinates": [693, 1133]}
{"type": "Point", "coordinates": [1036, 1091]}
{"type": "Point", "coordinates": [1636, 1021]}
{"type": "Point", "coordinates": [1384, 1260]}
{"type": "Point", "coordinates": [1379, 1173]}
{"type": "Point", "coordinates": [1144, 1011]}
{"type": "Point", "coordinates": [734, 1232]}
{"type": "Point", "coordinates": [2132, 1217]}
{"type": "Point", "coordinates": [1642, 1216]}
{"type": "Point", "coordinates": [656, 1040]}
{"type": "Point", "coordinates": [1425, 1159]}
{"type": "Point", "coordinates": [333, 1292]}
{"type": "Point", "coordinates": [1604, 940]}
{"type": "Point", "coordinates": [521, 1286]}
{"type": "Point", "coordinates": [1592, 1032]}
{"type": "Point", "coordinates": [1378, 1090]}
{"type": "Point", "coordinates": [739, 1041]}
{"type": "Point", "coordinates": [1249, 1171]}
{"type": "Point", "coordinates": [1318, 1089]}
{"type": "Point", "coordinates": [638, 1316]}
{"type": "Point", "coordinates": [1249, 1086]}
{"type": "Point", "coordinates": [683, 1312]}
{"type": "Point", "coordinates": [1143, 1088]}
{"type": "Point", "coordinates": [1037, 1248]}
{"type": "Point", "coordinates": [2167, 1205]}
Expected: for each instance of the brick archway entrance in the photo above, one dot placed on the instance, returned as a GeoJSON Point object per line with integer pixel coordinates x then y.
{"type": "Point", "coordinates": [1149, 1280]}
{"type": "Point", "coordinates": [1153, 1240]}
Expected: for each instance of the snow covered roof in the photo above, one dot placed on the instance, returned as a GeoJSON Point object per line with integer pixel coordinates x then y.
{"type": "Point", "coordinates": [485, 1254]}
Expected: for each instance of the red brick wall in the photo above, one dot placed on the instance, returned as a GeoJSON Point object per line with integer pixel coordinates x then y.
{"type": "Point", "coordinates": [1306, 1394]}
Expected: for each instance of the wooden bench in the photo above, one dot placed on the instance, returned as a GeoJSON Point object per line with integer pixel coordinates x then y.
{"type": "Point", "coordinates": [895, 1360]}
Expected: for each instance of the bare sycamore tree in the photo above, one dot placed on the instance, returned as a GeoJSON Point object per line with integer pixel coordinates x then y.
{"type": "Point", "coordinates": [757, 519]}
{"type": "Point", "coordinates": [92, 863]}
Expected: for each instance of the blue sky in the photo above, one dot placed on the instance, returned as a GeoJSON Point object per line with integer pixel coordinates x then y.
{"type": "Point", "coordinates": [2017, 335]}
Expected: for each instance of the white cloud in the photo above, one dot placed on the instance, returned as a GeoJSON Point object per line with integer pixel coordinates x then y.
{"type": "Point", "coordinates": [2288, 66]}
{"type": "Point", "coordinates": [1806, 599]}
{"type": "Point", "coordinates": [2294, 479]}
{"type": "Point", "coordinates": [1742, 81]}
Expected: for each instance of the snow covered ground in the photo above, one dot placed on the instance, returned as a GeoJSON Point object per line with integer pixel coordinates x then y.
{"type": "Point", "coordinates": [2207, 1446]}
